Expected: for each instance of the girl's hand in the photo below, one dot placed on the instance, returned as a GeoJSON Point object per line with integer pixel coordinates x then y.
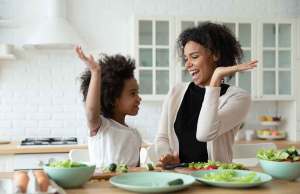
{"type": "Point", "coordinates": [168, 159]}
{"type": "Point", "coordinates": [90, 61]}
{"type": "Point", "coordinates": [221, 72]}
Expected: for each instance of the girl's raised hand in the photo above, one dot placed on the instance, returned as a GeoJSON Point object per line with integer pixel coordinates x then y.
{"type": "Point", "coordinates": [221, 72]}
{"type": "Point", "coordinates": [90, 61]}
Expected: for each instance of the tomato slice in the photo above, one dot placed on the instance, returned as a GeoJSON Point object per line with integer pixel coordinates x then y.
{"type": "Point", "coordinates": [211, 167]}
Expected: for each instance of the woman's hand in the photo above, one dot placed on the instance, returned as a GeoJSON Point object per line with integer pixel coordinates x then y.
{"type": "Point", "coordinates": [168, 159]}
{"type": "Point", "coordinates": [90, 61]}
{"type": "Point", "coordinates": [221, 72]}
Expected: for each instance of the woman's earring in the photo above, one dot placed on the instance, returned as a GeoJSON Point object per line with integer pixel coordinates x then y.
{"type": "Point", "coordinates": [215, 58]}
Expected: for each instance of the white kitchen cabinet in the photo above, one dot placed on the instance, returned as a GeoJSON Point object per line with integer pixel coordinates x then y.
{"type": "Point", "coordinates": [154, 47]}
{"type": "Point", "coordinates": [6, 163]}
{"type": "Point", "coordinates": [244, 30]}
{"type": "Point", "coordinates": [270, 41]}
{"type": "Point", "coordinates": [277, 57]}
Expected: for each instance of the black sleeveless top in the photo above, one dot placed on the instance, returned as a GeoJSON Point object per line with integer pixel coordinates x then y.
{"type": "Point", "coordinates": [190, 149]}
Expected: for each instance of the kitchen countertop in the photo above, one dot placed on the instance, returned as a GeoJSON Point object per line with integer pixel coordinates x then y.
{"type": "Point", "coordinates": [274, 187]}
{"type": "Point", "coordinates": [15, 148]}
{"type": "Point", "coordinates": [279, 143]}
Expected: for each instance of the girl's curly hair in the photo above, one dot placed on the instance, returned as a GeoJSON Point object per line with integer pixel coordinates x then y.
{"type": "Point", "coordinates": [217, 38]}
{"type": "Point", "coordinates": [115, 70]}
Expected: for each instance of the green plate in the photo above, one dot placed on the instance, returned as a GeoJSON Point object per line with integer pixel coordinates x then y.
{"type": "Point", "coordinates": [151, 182]}
{"type": "Point", "coordinates": [264, 178]}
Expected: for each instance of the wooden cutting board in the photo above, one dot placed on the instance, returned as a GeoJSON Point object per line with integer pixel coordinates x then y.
{"type": "Point", "coordinates": [185, 170]}
{"type": "Point", "coordinates": [106, 175]}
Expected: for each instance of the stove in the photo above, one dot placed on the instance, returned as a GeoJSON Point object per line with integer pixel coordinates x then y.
{"type": "Point", "coordinates": [49, 141]}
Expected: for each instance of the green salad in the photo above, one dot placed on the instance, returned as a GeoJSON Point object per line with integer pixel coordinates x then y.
{"type": "Point", "coordinates": [210, 165]}
{"type": "Point", "coordinates": [231, 176]}
{"type": "Point", "coordinates": [66, 164]}
{"type": "Point", "coordinates": [289, 154]}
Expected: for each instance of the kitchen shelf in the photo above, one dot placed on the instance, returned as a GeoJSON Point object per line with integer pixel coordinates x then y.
{"type": "Point", "coordinates": [7, 57]}
{"type": "Point", "coordinates": [6, 52]}
{"type": "Point", "coordinates": [270, 123]}
{"type": "Point", "coordinates": [8, 23]}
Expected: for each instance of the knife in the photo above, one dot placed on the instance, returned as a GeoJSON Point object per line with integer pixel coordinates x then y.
{"type": "Point", "coordinates": [172, 166]}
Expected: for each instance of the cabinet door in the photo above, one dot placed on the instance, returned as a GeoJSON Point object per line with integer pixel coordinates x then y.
{"type": "Point", "coordinates": [153, 53]}
{"type": "Point", "coordinates": [277, 60]}
{"type": "Point", "coordinates": [6, 163]}
{"type": "Point", "coordinates": [243, 32]}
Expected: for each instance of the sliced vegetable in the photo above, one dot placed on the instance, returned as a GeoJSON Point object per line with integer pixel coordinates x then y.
{"type": "Point", "coordinates": [122, 168]}
{"type": "Point", "coordinates": [112, 167]}
{"type": "Point", "coordinates": [210, 165]}
{"type": "Point", "coordinates": [117, 168]}
{"type": "Point", "coordinates": [149, 167]}
{"type": "Point", "coordinates": [176, 182]}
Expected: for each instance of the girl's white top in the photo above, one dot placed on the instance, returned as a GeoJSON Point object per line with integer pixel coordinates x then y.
{"type": "Point", "coordinates": [114, 143]}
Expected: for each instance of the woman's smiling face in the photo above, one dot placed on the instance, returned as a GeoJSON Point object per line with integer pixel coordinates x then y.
{"type": "Point", "coordinates": [199, 62]}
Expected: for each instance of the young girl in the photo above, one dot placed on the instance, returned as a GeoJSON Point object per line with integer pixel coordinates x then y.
{"type": "Point", "coordinates": [110, 92]}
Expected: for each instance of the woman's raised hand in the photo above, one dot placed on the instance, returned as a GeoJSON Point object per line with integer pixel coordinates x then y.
{"type": "Point", "coordinates": [221, 72]}
{"type": "Point", "coordinates": [90, 61]}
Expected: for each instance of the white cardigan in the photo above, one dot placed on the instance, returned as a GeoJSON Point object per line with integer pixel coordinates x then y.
{"type": "Point", "coordinates": [218, 122]}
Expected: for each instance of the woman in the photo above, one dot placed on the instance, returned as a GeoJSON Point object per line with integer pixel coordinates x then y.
{"type": "Point", "coordinates": [199, 119]}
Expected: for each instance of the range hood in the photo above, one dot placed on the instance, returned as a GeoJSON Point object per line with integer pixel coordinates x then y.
{"type": "Point", "coordinates": [54, 32]}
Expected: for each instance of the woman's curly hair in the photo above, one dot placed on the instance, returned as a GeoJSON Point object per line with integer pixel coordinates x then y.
{"type": "Point", "coordinates": [115, 70]}
{"type": "Point", "coordinates": [217, 38]}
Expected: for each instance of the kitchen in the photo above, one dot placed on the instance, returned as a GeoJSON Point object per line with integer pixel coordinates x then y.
{"type": "Point", "coordinates": [39, 85]}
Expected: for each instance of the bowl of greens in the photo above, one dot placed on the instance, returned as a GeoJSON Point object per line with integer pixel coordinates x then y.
{"type": "Point", "coordinates": [280, 164]}
{"type": "Point", "coordinates": [69, 174]}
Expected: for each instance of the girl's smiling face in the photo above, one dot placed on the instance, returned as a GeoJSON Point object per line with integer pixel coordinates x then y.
{"type": "Point", "coordinates": [129, 101]}
{"type": "Point", "coordinates": [199, 62]}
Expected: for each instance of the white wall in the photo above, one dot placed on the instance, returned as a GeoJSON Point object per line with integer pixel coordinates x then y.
{"type": "Point", "coordinates": [39, 92]}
